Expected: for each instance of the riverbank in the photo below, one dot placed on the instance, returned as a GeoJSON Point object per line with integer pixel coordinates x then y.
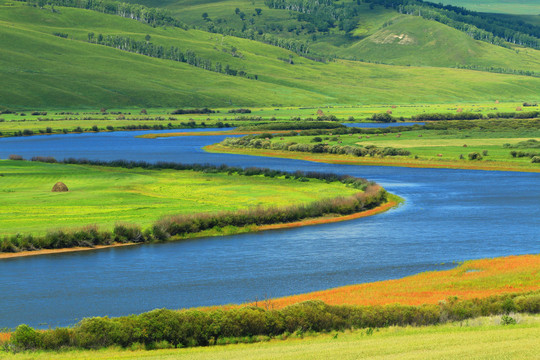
{"type": "Point", "coordinates": [386, 161]}
{"type": "Point", "coordinates": [212, 133]}
{"type": "Point", "coordinates": [393, 202]}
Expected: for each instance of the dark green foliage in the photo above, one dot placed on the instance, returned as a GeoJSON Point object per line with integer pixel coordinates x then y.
{"type": "Point", "coordinates": [157, 51]}
{"type": "Point", "coordinates": [146, 15]}
{"type": "Point", "coordinates": [475, 156]}
{"type": "Point", "coordinates": [239, 111]}
{"type": "Point", "coordinates": [447, 116]}
{"type": "Point", "coordinates": [304, 125]}
{"type": "Point", "coordinates": [318, 147]}
{"type": "Point", "coordinates": [202, 328]}
{"type": "Point", "coordinates": [384, 117]}
{"type": "Point", "coordinates": [193, 111]}
{"type": "Point", "coordinates": [508, 320]}
{"type": "Point", "coordinates": [26, 338]}
{"type": "Point", "coordinates": [527, 144]}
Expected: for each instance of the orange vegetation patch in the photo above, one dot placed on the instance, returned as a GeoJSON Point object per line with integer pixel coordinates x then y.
{"type": "Point", "coordinates": [472, 279]}
{"type": "Point", "coordinates": [4, 337]}
{"type": "Point", "coordinates": [350, 160]}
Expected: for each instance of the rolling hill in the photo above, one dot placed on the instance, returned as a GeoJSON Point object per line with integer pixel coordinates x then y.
{"type": "Point", "coordinates": [47, 62]}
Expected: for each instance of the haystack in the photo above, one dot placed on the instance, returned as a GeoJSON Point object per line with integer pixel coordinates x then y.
{"type": "Point", "coordinates": [60, 187]}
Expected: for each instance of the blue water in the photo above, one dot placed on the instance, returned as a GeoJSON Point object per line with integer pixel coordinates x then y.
{"type": "Point", "coordinates": [448, 216]}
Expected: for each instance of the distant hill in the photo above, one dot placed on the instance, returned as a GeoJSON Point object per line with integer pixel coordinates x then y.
{"type": "Point", "coordinates": [47, 61]}
{"type": "Point", "coordinates": [362, 30]}
{"type": "Point", "coordinates": [525, 7]}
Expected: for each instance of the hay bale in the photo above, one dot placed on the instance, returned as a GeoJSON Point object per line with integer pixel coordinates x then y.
{"type": "Point", "coordinates": [60, 187]}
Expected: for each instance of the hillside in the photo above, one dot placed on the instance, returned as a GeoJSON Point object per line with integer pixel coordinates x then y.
{"type": "Point", "coordinates": [525, 7]}
{"type": "Point", "coordinates": [51, 71]}
{"type": "Point", "coordinates": [371, 33]}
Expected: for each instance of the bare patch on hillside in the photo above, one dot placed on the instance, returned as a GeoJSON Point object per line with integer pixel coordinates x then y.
{"type": "Point", "coordinates": [387, 37]}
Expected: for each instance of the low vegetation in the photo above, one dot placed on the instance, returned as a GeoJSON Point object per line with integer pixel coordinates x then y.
{"type": "Point", "coordinates": [189, 328]}
{"type": "Point", "coordinates": [464, 143]}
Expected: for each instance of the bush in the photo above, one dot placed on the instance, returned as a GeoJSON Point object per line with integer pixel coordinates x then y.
{"type": "Point", "coordinates": [164, 328]}
{"type": "Point", "coordinates": [475, 156]}
{"type": "Point", "coordinates": [26, 338]}
{"type": "Point", "coordinates": [535, 160]}
{"type": "Point", "coordinates": [15, 157]}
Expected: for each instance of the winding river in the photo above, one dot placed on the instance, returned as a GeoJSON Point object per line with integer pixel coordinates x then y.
{"type": "Point", "coordinates": [448, 216]}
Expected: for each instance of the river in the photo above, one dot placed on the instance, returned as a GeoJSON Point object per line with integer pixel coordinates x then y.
{"type": "Point", "coordinates": [449, 216]}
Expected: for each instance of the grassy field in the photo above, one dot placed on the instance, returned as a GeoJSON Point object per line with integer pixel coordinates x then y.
{"type": "Point", "coordinates": [428, 148]}
{"type": "Point", "coordinates": [104, 196]}
{"type": "Point", "coordinates": [58, 120]}
{"type": "Point", "coordinates": [119, 79]}
{"type": "Point", "coordinates": [482, 338]}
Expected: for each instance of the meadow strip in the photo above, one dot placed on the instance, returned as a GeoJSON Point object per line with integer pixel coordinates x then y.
{"type": "Point", "coordinates": [181, 226]}
{"type": "Point", "coordinates": [353, 160]}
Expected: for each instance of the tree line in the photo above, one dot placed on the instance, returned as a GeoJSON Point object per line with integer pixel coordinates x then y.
{"type": "Point", "coordinates": [257, 142]}
{"type": "Point", "coordinates": [163, 328]}
{"type": "Point", "coordinates": [169, 53]}
{"type": "Point", "coordinates": [146, 15]}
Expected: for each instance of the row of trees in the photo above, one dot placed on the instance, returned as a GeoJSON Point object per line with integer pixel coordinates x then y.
{"type": "Point", "coordinates": [141, 13]}
{"type": "Point", "coordinates": [164, 328]}
{"type": "Point", "coordinates": [158, 51]}
{"type": "Point", "coordinates": [257, 142]}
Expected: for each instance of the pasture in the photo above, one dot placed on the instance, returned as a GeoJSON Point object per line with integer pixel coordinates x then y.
{"type": "Point", "coordinates": [105, 196]}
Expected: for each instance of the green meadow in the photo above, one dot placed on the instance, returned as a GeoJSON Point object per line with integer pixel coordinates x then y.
{"type": "Point", "coordinates": [86, 119]}
{"type": "Point", "coordinates": [428, 145]}
{"type": "Point", "coordinates": [105, 195]}
{"type": "Point", "coordinates": [481, 338]}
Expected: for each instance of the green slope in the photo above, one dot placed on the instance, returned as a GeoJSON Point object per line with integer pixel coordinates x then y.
{"type": "Point", "coordinates": [416, 41]}
{"type": "Point", "coordinates": [433, 43]}
{"type": "Point", "coordinates": [39, 69]}
{"type": "Point", "coordinates": [526, 7]}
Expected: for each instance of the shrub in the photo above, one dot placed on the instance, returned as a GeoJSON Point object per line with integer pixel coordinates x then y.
{"type": "Point", "coordinates": [535, 160]}
{"type": "Point", "coordinates": [26, 338]}
{"type": "Point", "coordinates": [475, 156]}
{"type": "Point", "coordinates": [15, 157]}
{"type": "Point", "coordinates": [508, 320]}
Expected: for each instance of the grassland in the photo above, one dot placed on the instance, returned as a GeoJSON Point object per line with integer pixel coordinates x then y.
{"type": "Point", "coordinates": [427, 147]}
{"type": "Point", "coordinates": [481, 338]}
{"type": "Point", "coordinates": [104, 196]}
{"type": "Point", "coordinates": [122, 118]}
{"type": "Point", "coordinates": [119, 79]}
{"type": "Point", "coordinates": [525, 7]}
